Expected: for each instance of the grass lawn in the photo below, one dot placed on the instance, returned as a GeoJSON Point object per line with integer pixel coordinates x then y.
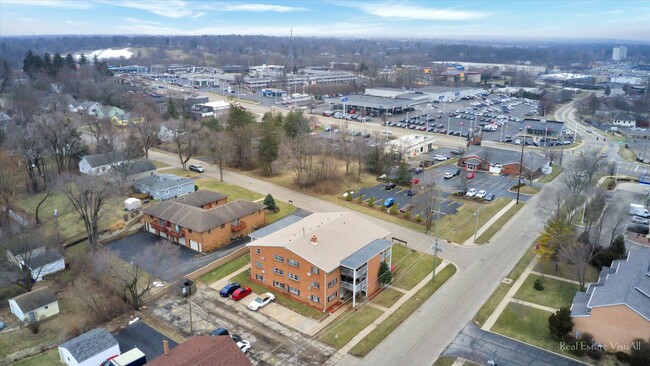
{"type": "Point", "coordinates": [285, 210]}
{"type": "Point", "coordinates": [549, 177]}
{"type": "Point", "coordinates": [566, 270]}
{"type": "Point", "coordinates": [527, 324]}
{"type": "Point", "coordinates": [627, 154]}
{"type": "Point", "coordinates": [234, 192]}
{"type": "Point", "coordinates": [493, 301]}
{"type": "Point", "coordinates": [338, 333]}
{"type": "Point", "coordinates": [555, 294]}
{"type": "Point", "coordinates": [182, 173]}
{"type": "Point", "coordinates": [369, 342]}
{"type": "Point", "coordinates": [444, 361]}
{"type": "Point", "coordinates": [224, 270]}
{"type": "Point", "coordinates": [282, 299]}
{"type": "Point", "coordinates": [412, 267]}
{"type": "Point", "coordinates": [160, 164]}
{"type": "Point", "coordinates": [50, 357]}
{"type": "Point", "coordinates": [387, 297]}
{"type": "Point", "coordinates": [460, 226]}
{"type": "Point", "coordinates": [487, 234]}
{"type": "Point", "coordinates": [526, 190]}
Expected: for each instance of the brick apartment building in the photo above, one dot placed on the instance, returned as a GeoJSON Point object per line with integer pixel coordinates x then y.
{"type": "Point", "coordinates": [203, 220]}
{"type": "Point", "coordinates": [322, 259]}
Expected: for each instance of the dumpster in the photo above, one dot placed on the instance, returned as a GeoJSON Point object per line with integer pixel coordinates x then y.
{"type": "Point", "coordinates": [185, 287]}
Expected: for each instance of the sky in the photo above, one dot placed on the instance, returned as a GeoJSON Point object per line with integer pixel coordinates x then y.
{"type": "Point", "coordinates": [467, 20]}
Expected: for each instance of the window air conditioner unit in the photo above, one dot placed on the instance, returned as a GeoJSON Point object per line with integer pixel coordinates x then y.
{"type": "Point", "coordinates": [308, 288]}
{"type": "Point", "coordinates": [262, 258]}
{"type": "Point", "coordinates": [309, 274]}
{"type": "Point", "coordinates": [263, 272]}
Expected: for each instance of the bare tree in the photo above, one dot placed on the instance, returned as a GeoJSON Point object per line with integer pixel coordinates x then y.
{"type": "Point", "coordinates": [8, 181]}
{"type": "Point", "coordinates": [574, 179]}
{"type": "Point", "coordinates": [186, 135]}
{"type": "Point", "coordinates": [25, 101]}
{"type": "Point", "coordinates": [146, 126]}
{"type": "Point", "coordinates": [63, 140]}
{"type": "Point", "coordinates": [89, 197]}
{"type": "Point", "coordinates": [580, 254]}
{"type": "Point", "coordinates": [615, 221]}
{"type": "Point", "coordinates": [551, 154]}
{"type": "Point", "coordinates": [219, 149]}
{"type": "Point", "coordinates": [589, 161]}
{"type": "Point", "coordinates": [28, 144]}
{"type": "Point", "coordinates": [301, 156]}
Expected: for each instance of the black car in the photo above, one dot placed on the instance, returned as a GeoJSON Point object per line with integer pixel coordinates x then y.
{"type": "Point", "coordinates": [219, 332]}
{"type": "Point", "coordinates": [456, 152]}
{"type": "Point", "coordinates": [228, 289]}
{"type": "Point", "coordinates": [390, 185]}
{"type": "Point", "coordinates": [411, 192]}
{"type": "Point", "coordinates": [489, 197]}
{"type": "Point", "coordinates": [456, 172]}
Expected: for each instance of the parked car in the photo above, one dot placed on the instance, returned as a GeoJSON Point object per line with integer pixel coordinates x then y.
{"type": "Point", "coordinates": [481, 194]}
{"type": "Point", "coordinates": [639, 220]}
{"type": "Point", "coordinates": [440, 158]}
{"type": "Point", "coordinates": [390, 185]}
{"type": "Point", "coordinates": [411, 192]}
{"type": "Point", "coordinates": [456, 172]}
{"type": "Point", "coordinates": [196, 168]}
{"type": "Point", "coordinates": [418, 170]}
{"type": "Point", "coordinates": [604, 155]}
{"type": "Point", "coordinates": [406, 207]}
{"type": "Point", "coordinates": [219, 332]}
{"type": "Point", "coordinates": [244, 345]}
{"type": "Point", "coordinates": [471, 192]}
{"type": "Point", "coordinates": [389, 202]}
{"type": "Point", "coordinates": [241, 293]}
{"type": "Point", "coordinates": [261, 301]}
{"type": "Point", "coordinates": [448, 175]}
{"type": "Point", "coordinates": [228, 289]}
{"type": "Point", "coordinates": [470, 175]}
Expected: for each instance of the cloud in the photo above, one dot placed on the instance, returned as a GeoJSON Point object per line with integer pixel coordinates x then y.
{"type": "Point", "coordinates": [51, 3]}
{"type": "Point", "coordinates": [164, 8]}
{"type": "Point", "coordinates": [261, 8]}
{"type": "Point", "coordinates": [405, 11]}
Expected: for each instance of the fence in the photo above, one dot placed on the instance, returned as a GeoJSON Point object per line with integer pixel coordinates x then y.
{"type": "Point", "coordinates": [219, 262]}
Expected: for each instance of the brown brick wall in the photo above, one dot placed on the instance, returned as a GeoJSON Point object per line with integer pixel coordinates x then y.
{"type": "Point", "coordinates": [210, 205]}
{"type": "Point", "coordinates": [613, 325]}
{"type": "Point", "coordinates": [373, 275]}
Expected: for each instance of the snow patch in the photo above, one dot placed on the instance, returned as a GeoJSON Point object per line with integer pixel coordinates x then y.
{"type": "Point", "coordinates": [107, 54]}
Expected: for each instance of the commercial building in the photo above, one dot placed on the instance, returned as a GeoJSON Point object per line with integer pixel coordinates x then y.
{"type": "Point", "coordinates": [500, 161]}
{"type": "Point", "coordinates": [616, 309]}
{"type": "Point", "coordinates": [410, 146]}
{"type": "Point", "coordinates": [322, 259]}
{"type": "Point", "coordinates": [541, 129]}
{"type": "Point", "coordinates": [203, 220]}
{"type": "Point", "coordinates": [619, 53]}
{"type": "Point", "coordinates": [623, 119]}
{"type": "Point", "coordinates": [371, 105]}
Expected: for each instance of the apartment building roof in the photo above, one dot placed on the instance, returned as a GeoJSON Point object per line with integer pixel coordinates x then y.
{"type": "Point", "coordinates": [363, 255]}
{"type": "Point", "coordinates": [200, 197]}
{"type": "Point", "coordinates": [326, 239]}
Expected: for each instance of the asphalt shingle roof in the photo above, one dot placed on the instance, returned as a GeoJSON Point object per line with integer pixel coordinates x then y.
{"type": "Point", "coordinates": [141, 166]}
{"type": "Point", "coordinates": [199, 219]}
{"type": "Point", "coordinates": [364, 254]}
{"type": "Point", "coordinates": [104, 159]}
{"type": "Point", "coordinates": [35, 299]}
{"type": "Point", "coordinates": [89, 344]}
{"type": "Point", "coordinates": [204, 351]}
{"type": "Point", "coordinates": [164, 181]}
{"type": "Point", "coordinates": [200, 197]}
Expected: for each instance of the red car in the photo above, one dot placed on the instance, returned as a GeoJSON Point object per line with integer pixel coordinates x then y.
{"type": "Point", "coordinates": [470, 175]}
{"type": "Point", "coordinates": [241, 293]}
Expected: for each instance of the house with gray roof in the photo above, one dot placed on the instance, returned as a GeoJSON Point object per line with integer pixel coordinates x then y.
{"type": "Point", "coordinates": [621, 118]}
{"type": "Point", "coordinates": [89, 349]}
{"type": "Point", "coordinates": [118, 165]}
{"type": "Point", "coordinates": [502, 161]}
{"type": "Point", "coordinates": [41, 261]}
{"type": "Point", "coordinates": [35, 305]}
{"type": "Point", "coordinates": [322, 259]}
{"type": "Point", "coordinates": [616, 309]}
{"type": "Point", "coordinates": [164, 186]}
{"type": "Point", "coordinates": [203, 221]}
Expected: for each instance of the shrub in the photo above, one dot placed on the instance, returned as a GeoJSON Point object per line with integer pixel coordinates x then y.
{"type": "Point", "coordinates": [418, 218]}
{"type": "Point", "coordinates": [407, 214]}
{"type": "Point", "coordinates": [196, 188]}
{"type": "Point", "coordinates": [269, 202]}
{"type": "Point", "coordinates": [393, 210]}
{"type": "Point", "coordinates": [640, 354]}
{"type": "Point", "coordinates": [560, 323]}
{"type": "Point", "coordinates": [538, 285]}
{"type": "Point", "coordinates": [117, 225]}
{"type": "Point", "coordinates": [360, 198]}
{"type": "Point", "coordinates": [348, 197]}
{"type": "Point", "coordinates": [371, 201]}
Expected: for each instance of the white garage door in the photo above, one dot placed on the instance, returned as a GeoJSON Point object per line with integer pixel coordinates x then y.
{"type": "Point", "coordinates": [195, 245]}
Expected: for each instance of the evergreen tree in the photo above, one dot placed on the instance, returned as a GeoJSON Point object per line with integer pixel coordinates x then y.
{"type": "Point", "coordinates": [69, 61]}
{"type": "Point", "coordinates": [57, 64]}
{"type": "Point", "coordinates": [82, 59]}
{"type": "Point", "coordinates": [241, 129]}
{"type": "Point", "coordinates": [608, 91]}
{"type": "Point", "coordinates": [5, 76]}
{"type": "Point", "coordinates": [32, 64]}
{"type": "Point", "coordinates": [560, 323]}
{"type": "Point", "coordinates": [385, 275]}
{"type": "Point", "coordinates": [295, 124]}
{"type": "Point", "coordinates": [47, 62]}
{"type": "Point", "coordinates": [269, 145]}
{"type": "Point", "coordinates": [555, 232]}
{"type": "Point", "coordinates": [269, 202]}
{"type": "Point", "coordinates": [618, 246]}
{"type": "Point", "coordinates": [640, 353]}
{"type": "Point", "coordinates": [172, 112]}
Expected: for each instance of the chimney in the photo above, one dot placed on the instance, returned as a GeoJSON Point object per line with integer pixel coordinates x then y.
{"type": "Point", "coordinates": [166, 347]}
{"type": "Point", "coordinates": [314, 240]}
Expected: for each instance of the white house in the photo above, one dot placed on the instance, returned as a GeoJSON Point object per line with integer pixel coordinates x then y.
{"type": "Point", "coordinates": [89, 349]}
{"type": "Point", "coordinates": [623, 119]}
{"type": "Point", "coordinates": [99, 164]}
{"type": "Point", "coordinates": [35, 305]}
{"type": "Point", "coordinates": [91, 108]}
{"type": "Point", "coordinates": [40, 261]}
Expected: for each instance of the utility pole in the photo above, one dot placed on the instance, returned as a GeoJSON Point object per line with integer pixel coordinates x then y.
{"type": "Point", "coordinates": [435, 247]}
{"type": "Point", "coordinates": [521, 164]}
{"type": "Point", "coordinates": [478, 211]}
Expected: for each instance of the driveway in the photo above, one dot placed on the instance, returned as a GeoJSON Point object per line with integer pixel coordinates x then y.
{"type": "Point", "coordinates": [147, 339]}
{"type": "Point", "coordinates": [189, 260]}
{"type": "Point", "coordinates": [480, 346]}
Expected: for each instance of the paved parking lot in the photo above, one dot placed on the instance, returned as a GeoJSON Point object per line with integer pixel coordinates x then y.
{"type": "Point", "coordinates": [147, 339]}
{"type": "Point", "coordinates": [272, 343]}
{"type": "Point", "coordinates": [447, 206]}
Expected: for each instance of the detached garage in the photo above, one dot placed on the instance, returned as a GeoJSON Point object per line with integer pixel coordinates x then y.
{"type": "Point", "coordinates": [35, 305]}
{"type": "Point", "coordinates": [89, 349]}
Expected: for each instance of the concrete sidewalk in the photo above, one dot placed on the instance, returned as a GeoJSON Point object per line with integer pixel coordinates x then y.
{"type": "Point", "coordinates": [556, 277]}
{"type": "Point", "coordinates": [487, 225]}
{"type": "Point", "coordinates": [489, 323]}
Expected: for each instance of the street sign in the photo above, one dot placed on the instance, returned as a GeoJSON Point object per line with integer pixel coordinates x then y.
{"type": "Point", "coordinates": [344, 99]}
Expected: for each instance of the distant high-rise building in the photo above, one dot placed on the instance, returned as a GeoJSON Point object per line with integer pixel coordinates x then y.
{"type": "Point", "coordinates": [619, 53]}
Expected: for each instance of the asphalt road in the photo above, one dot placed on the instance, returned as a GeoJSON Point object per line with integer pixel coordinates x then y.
{"type": "Point", "coordinates": [147, 339]}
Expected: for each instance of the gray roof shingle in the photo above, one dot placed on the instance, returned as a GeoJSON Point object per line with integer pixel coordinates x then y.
{"type": "Point", "coordinates": [199, 219]}
{"type": "Point", "coordinates": [363, 255]}
{"type": "Point", "coordinates": [141, 166]}
{"type": "Point", "coordinates": [98, 160]}
{"type": "Point", "coordinates": [164, 181]}
{"type": "Point", "coordinates": [35, 299]}
{"type": "Point", "coordinates": [200, 197]}
{"type": "Point", "coordinates": [89, 344]}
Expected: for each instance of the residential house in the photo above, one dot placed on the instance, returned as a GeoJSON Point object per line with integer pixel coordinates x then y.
{"type": "Point", "coordinates": [623, 119]}
{"type": "Point", "coordinates": [203, 351]}
{"type": "Point", "coordinates": [109, 112]}
{"type": "Point", "coordinates": [100, 164]}
{"type": "Point", "coordinates": [616, 309]}
{"type": "Point", "coordinates": [89, 108]}
{"type": "Point", "coordinates": [40, 261]}
{"type": "Point", "coordinates": [89, 349]}
{"type": "Point", "coordinates": [139, 169]}
{"type": "Point", "coordinates": [5, 121]}
{"type": "Point", "coordinates": [35, 305]}
{"type": "Point", "coordinates": [501, 161]}
{"type": "Point", "coordinates": [204, 221]}
{"type": "Point", "coordinates": [123, 120]}
{"type": "Point", "coordinates": [322, 258]}
{"type": "Point", "coordinates": [116, 164]}
{"type": "Point", "coordinates": [164, 186]}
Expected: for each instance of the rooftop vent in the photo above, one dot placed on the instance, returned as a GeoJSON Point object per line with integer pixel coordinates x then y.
{"type": "Point", "coordinates": [314, 240]}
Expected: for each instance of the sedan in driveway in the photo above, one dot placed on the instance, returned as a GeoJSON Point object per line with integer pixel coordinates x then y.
{"type": "Point", "coordinates": [471, 192]}
{"type": "Point", "coordinates": [639, 220]}
{"type": "Point", "coordinates": [390, 185]}
{"type": "Point", "coordinates": [406, 207]}
{"type": "Point", "coordinates": [196, 168]}
{"type": "Point", "coordinates": [228, 289]}
{"type": "Point", "coordinates": [261, 301]}
{"type": "Point", "coordinates": [388, 202]}
{"type": "Point", "coordinates": [241, 293]}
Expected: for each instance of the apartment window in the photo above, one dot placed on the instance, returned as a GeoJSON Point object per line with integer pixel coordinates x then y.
{"type": "Point", "coordinates": [294, 277]}
{"type": "Point", "coordinates": [315, 285]}
{"type": "Point", "coordinates": [258, 264]}
{"type": "Point", "coordinates": [331, 297]}
{"type": "Point", "coordinates": [259, 277]}
{"type": "Point", "coordinates": [278, 258]}
{"type": "Point", "coordinates": [258, 251]}
{"type": "Point", "coordinates": [314, 298]}
{"type": "Point", "coordinates": [315, 270]}
{"type": "Point", "coordinates": [332, 283]}
{"type": "Point", "coordinates": [293, 263]}
{"type": "Point", "coordinates": [279, 285]}
{"type": "Point", "coordinates": [294, 291]}
{"type": "Point", "coordinates": [278, 272]}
